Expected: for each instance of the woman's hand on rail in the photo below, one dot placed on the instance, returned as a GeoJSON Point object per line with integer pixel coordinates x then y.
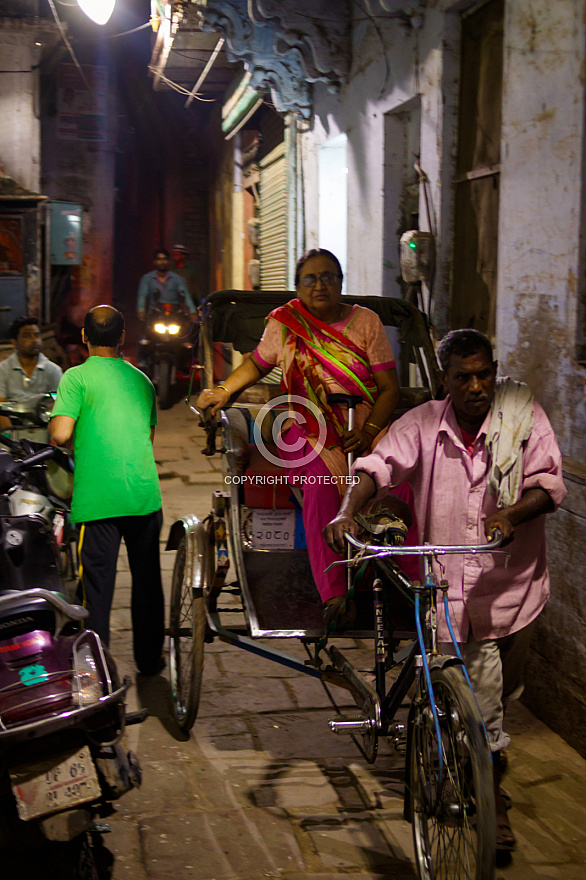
{"type": "Point", "coordinates": [356, 441]}
{"type": "Point", "coordinates": [243, 377]}
{"type": "Point", "coordinates": [214, 397]}
{"type": "Point", "coordinates": [335, 530]}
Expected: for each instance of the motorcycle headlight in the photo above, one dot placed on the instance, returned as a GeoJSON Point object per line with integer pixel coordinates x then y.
{"type": "Point", "coordinates": [87, 688]}
{"type": "Point", "coordinates": [173, 329]}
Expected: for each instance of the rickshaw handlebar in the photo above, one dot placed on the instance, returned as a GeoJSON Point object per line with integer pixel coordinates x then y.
{"type": "Point", "coordinates": [425, 549]}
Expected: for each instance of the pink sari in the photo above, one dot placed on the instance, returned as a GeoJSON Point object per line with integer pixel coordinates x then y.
{"type": "Point", "coordinates": [313, 352]}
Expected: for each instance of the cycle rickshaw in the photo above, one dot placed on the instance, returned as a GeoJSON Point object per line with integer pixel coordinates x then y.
{"type": "Point", "coordinates": [254, 532]}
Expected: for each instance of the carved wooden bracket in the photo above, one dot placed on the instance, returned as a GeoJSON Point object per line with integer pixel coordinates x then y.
{"type": "Point", "coordinates": [285, 44]}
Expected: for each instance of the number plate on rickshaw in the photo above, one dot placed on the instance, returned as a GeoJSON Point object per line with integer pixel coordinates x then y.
{"type": "Point", "coordinates": [55, 784]}
{"type": "Point", "coordinates": [273, 529]}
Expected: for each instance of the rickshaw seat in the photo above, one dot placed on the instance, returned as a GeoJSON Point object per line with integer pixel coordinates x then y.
{"type": "Point", "coordinates": [271, 491]}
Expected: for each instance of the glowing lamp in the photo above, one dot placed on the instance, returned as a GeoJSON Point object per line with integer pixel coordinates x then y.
{"type": "Point", "coordinates": [98, 10]}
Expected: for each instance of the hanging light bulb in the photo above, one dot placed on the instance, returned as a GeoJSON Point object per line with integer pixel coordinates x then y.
{"type": "Point", "coordinates": [98, 10]}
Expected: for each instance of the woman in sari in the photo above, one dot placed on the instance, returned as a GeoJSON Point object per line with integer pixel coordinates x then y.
{"type": "Point", "coordinates": [324, 347]}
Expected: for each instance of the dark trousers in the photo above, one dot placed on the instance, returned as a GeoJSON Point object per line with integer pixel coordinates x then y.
{"type": "Point", "coordinates": [98, 547]}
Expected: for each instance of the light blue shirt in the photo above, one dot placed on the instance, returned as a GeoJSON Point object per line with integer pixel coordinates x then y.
{"type": "Point", "coordinates": [15, 384]}
{"type": "Point", "coordinates": [169, 291]}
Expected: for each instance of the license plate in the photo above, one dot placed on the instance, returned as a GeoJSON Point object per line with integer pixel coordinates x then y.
{"type": "Point", "coordinates": [273, 529]}
{"type": "Point", "coordinates": [55, 784]}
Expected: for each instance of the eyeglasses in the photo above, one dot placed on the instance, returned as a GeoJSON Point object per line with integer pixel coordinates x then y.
{"type": "Point", "coordinates": [326, 278]}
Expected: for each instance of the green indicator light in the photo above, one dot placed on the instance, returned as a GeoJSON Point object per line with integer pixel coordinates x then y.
{"type": "Point", "coordinates": [413, 244]}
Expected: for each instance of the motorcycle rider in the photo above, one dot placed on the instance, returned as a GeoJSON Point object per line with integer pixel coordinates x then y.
{"type": "Point", "coordinates": [26, 371]}
{"type": "Point", "coordinates": [161, 286]}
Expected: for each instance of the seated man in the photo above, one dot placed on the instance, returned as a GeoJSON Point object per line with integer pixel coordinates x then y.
{"type": "Point", "coordinates": [26, 371]}
{"type": "Point", "coordinates": [161, 286]}
{"type": "Point", "coordinates": [483, 459]}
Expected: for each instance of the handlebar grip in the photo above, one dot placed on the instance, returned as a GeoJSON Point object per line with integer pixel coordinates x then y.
{"type": "Point", "coordinates": [351, 400]}
{"type": "Point", "coordinates": [38, 457]}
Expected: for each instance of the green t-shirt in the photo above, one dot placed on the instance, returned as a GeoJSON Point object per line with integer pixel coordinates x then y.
{"type": "Point", "coordinates": [114, 407]}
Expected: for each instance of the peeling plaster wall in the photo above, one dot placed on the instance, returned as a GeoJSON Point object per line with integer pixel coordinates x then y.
{"type": "Point", "coordinates": [20, 136]}
{"type": "Point", "coordinates": [539, 250]}
{"type": "Point", "coordinates": [541, 255]}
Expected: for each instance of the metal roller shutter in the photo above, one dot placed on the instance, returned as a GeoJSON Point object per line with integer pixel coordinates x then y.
{"type": "Point", "coordinates": [273, 220]}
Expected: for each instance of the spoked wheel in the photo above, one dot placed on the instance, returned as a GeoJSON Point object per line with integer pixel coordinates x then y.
{"type": "Point", "coordinates": [186, 644]}
{"type": "Point", "coordinates": [452, 811]}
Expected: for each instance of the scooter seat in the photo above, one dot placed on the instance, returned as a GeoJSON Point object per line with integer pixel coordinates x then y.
{"type": "Point", "coordinates": [33, 614]}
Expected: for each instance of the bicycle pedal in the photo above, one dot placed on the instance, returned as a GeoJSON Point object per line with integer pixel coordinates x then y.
{"type": "Point", "coordinates": [349, 724]}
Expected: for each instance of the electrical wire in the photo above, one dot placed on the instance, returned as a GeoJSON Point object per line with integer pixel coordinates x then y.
{"type": "Point", "coordinates": [181, 89]}
{"type": "Point", "coordinates": [385, 55]}
{"type": "Point", "coordinates": [141, 27]}
{"type": "Point", "coordinates": [59, 24]}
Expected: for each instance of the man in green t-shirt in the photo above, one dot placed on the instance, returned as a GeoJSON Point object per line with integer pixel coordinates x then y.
{"type": "Point", "coordinates": [108, 407]}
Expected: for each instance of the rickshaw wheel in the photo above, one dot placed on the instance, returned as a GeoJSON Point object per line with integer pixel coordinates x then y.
{"type": "Point", "coordinates": [186, 644]}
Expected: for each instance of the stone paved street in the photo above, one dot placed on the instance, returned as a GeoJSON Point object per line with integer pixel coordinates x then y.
{"type": "Point", "coordinates": [262, 789]}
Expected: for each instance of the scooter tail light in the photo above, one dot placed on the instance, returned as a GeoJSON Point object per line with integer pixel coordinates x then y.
{"type": "Point", "coordinates": [87, 687]}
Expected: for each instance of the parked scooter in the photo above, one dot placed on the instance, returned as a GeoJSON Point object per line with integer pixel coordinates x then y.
{"type": "Point", "coordinates": [62, 704]}
{"type": "Point", "coordinates": [48, 489]}
{"type": "Point", "coordinates": [166, 348]}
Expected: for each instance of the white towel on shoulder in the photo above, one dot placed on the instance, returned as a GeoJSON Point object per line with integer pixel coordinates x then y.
{"type": "Point", "coordinates": [510, 426]}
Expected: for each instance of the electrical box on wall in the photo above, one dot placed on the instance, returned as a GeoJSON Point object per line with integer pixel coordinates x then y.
{"type": "Point", "coordinates": [417, 256]}
{"type": "Point", "coordinates": [66, 233]}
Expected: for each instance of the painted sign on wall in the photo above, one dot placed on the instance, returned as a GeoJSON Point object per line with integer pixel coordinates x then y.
{"type": "Point", "coordinates": [82, 111]}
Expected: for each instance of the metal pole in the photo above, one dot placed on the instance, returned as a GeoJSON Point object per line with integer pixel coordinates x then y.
{"type": "Point", "coordinates": [291, 135]}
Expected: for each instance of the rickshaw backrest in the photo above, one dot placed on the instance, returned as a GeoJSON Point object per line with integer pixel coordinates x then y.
{"type": "Point", "coordinates": [238, 317]}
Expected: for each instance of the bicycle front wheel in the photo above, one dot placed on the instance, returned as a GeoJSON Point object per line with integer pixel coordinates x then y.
{"type": "Point", "coordinates": [451, 800]}
{"type": "Point", "coordinates": [186, 644]}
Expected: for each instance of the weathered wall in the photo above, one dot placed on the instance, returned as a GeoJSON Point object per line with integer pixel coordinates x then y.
{"type": "Point", "coordinates": [20, 136]}
{"type": "Point", "coordinates": [540, 278]}
{"type": "Point", "coordinates": [400, 99]}
{"type": "Point", "coordinates": [82, 171]}
{"type": "Point", "coordinates": [225, 209]}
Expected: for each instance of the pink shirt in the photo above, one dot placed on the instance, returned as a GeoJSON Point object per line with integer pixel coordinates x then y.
{"type": "Point", "coordinates": [493, 594]}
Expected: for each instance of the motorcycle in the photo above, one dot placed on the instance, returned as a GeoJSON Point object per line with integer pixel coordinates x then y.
{"type": "Point", "coordinates": [62, 704]}
{"type": "Point", "coordinates": [166, 348]}
{"type": "Point", "coordinates": [30, 417]}
{"type": "Point", "coordinates": [46, 490]}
